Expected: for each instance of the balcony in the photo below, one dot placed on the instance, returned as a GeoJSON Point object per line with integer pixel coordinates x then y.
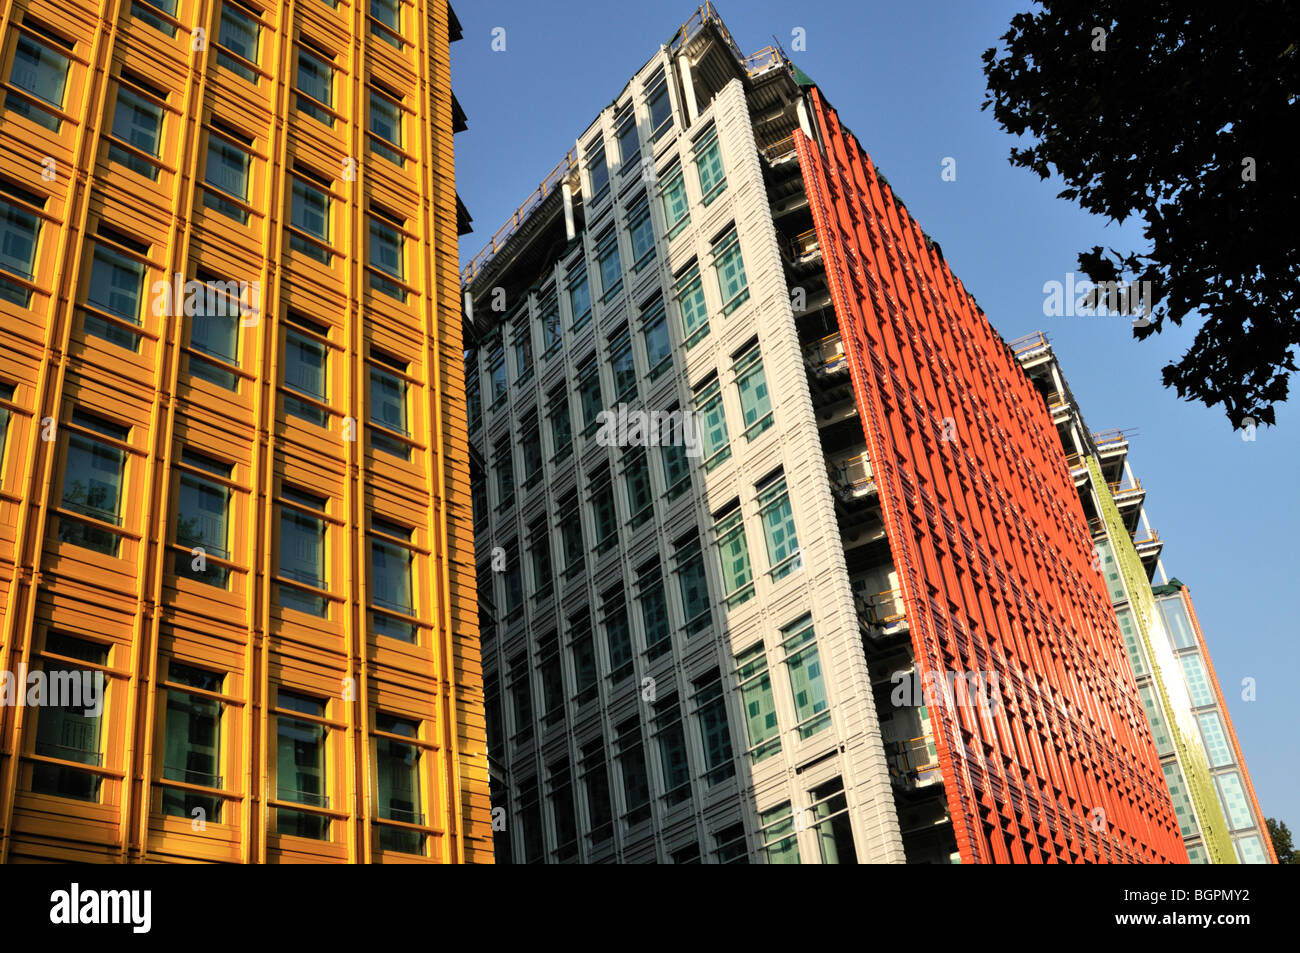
{"type": "Point", "coordinates": [851, 478]}
{"type": "Point", "coordinates": [913, 763]}
{"type": "Point", "coordinates": [826, 358]}
{"type": "Point", "coordinates": [884, 614]}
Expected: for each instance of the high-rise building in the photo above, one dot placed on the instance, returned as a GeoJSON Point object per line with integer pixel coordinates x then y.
{"type": "Point", "coordinates": [779, 558]}
{"type": "Point", "coordinates": [235, 528]}
{"type": "Point", "coordinates": [1200, 756]}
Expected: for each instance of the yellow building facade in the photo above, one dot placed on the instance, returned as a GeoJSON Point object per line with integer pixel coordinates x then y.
{"type": "Point", "coordinates": [234, 480]}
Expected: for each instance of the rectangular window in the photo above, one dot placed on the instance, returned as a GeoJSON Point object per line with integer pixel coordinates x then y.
{"type": "Point", "coordinates": [549, 667]}
{"type": "Point", "coordinates": [584, 656]}
{"type": "Point", "coordinates": [148, 11]}
{"type": "Point", "coordinates": [672, 751]}
{"type": "Point", "coordinates": [302, 552]}
{"type": "Point", "coordinates": [116, 290]}
{"type": "Point", "coordinates": [609, 265]}
{"type": "Point", "coordinates": [830, 811]}
{"type": "Point", "coordinates": [629, 143]}
{"type": "Point", "coordinates": [602, 503]}
{"type": "Point", "coordinates": [523, 342]}
{"type": "Point", "coordinates": [760, 706]}
{"type": "Point", "coordinates": [659, 106]}
{"type": "Point", "coordinates": [6, 394]}
{"type": "Point", "coordinates": [388, 405]}
{"type": "Point", "coordinates": [713, 421]}
{"type": "Point", "coordinates": [1198, 683]}
{"type": "Point", "coordinates": [562, 810]}
{"type": "Point", "coordinates": [708, 164]}
{"type": "Point", "coordinates": [557, 403]}
{"type": "Point", "coordinates": [733, 286]}
{"type": "Point", "coordinates": [636, 481]}
{"type": "Point", "coordinates": [237, 41]}
{"type": "Point", "coordinates": [677, 470]}
{"type": "Point", "coordinates": [733, 554]}
{"type": "Point", "coordinates": [595, 776]}
{"type": "Point", "coordinates": [387, 257]}
{"type": "Point", "coordinates": [1216, 740]}
{"type": "Point", "coordinates": [311, 219]}
{"type": "Point", "coordinates": [473, 392]}
{"type": "Point", "coordinates": [690, 301]}
{"type": "Point", "coordinates": [226, 175]}
{"type": "Point", "coordinates": [778, 528]}
{"type": "Point", "coordinates": [530, 821]}
{"type": "Point", "coordinates": [755, 402]}
{"type": "Point", "coordinates": [711, 709]}
{"type": "Point", "coordinates": [192, 743]}
{"type": "Point", "coordinates": [539, 548]}
{"type": "Point", "coordinates": [530, 443]}
{"type": "Point", "coordinates": [386, 127]}
{"type": "Point", "coordinates": [676, 205]}
{"type": "Point", "coordinates": [392, 595]}
{"type": "Point", "coordinates": [618, 634]}
{"type": "Point", "coordinates": [137, 130]}
{"type": "Point", "coordinates": [811, 708]}
{"type": "Point", "coordinates": [503, 461]}
{"type": "Point", "coordinates": [497, 374]}
{"type": "Point", "coordinates": [316, 87]}
{"type": "Point", "coordinates": [693, 583]}
{"type": "Point", "coordinates": [780, 840]}
{"type": "Point", "coordinates": [731, 847]}
{"type": "Point", "coordinates": [38, 80]}
{"type": "Point", "coordinates": [72, 734]}
{"type": "Point", "coordinates": [641, 229]}
{"type": "Point", "coordinates": [589, 396]}
{"type": "Point", "coordinates": [20, 231]}
{"type": "Point", "coordinates": [552, 334]}
{"type": "Point", "coordinates": [630, 753]}
{"type": "Point", "coordinates": [521, 698]}
{"type": "Point", "coordinates": [514, 582]}
{"type": "Point", "coordinates": [93, 484]}
{"type": "Point", "coordinates": [214, 333]}
{"type": "Point", "coordinates": [388, 14]}
{"type": "Point", "coordinates": [574, 550]}
{"type": "Point", "coordinates": [305, 374]}
{"type": "Point", "coordinates": [654, 609]}
{"type": "Point", "coordinates": [598, 172]}
{"type": "Point", "coordinates": [623, 366]}
{"type": "Point", "coordinates": [301, 735]}
{"type": "Point", "coordinates": [579, 298]}
{"type": "Point", "coordinates": [397, 762]}
{"type": "Point", "coordinates": [203, 519]}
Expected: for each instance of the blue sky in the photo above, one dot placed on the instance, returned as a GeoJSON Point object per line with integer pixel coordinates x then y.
{"type": "Point", "coordinates": [907, 79]}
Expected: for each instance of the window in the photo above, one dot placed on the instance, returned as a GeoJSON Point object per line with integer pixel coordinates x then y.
{"type": "Point", "coordinates": [192, 743]}
{"type": "Point", "coordinates": [561, 428]}
{"type": "Point", "coordinates": [579, 297]}
{"type": "Point", "coordinates": [659, 106]}
{"type": "Point", "coordinates": [730, 267]}
{"type": "Point", "coordinates": [503, 461]}
{"type": "Point", "coordinates": [629, 143]}
{"type": "Point", "coordinates": [677, 472]}
{"type": "Point", "coordinates": [755, 402]}
{"type": "Point", "coordinates": [203, 519]}
{"type": "Point", "coordinates": [760, 706]}
{"type": "Point", "coordinates": [1198, 683]}
{"type": "Point", "coordinates": [654, 609]}
{"type": "Point", "coordinates": [315, 87]}
{"type": "Point", "coordinates": [116, 291]}
{"type": "Point", "coordinates": [137, 131]}
{"type": "Point", "coordinates": [93, 483]}
{"type": "Point", "coordinates": [778, 528]}
{"type": "Point", "coordinates": [38, 78]}
{"type": "Point", "coordinates": [731, 847]}
{"type": "Point", "coordinates": [573, 550]}
{"type": "Point", "coordinates": [305, 371]}
{"type": "Point", "coordinates": [521, 697]}
{"type": "Point", "coordinates": [672, 751]}
{"type": "Point", "coordinates": [780, 841]}
{"type": "Point", "coordinates": [630, 753]}
{"type": "Point", "coordinates": [1233, 797]}
{"type": "Point", "coordinates": [473, 393]}
{"type": "Point", "coordinates": [690, 301]}
{"type": "Point", "coordinates": [397, 760]}
{"type": "Point", "coordinates": [549, 667]}
{"type": "Point", "coordinates": [672, 193]}
{"type": "Point", "coordinates": [388, 405]}
{"type": "Point", "coordinates": [713, 417]}
{"type": "Point", "coordinates": [479, 498]}
{"type": "Point", "coordinates": [562, 809]}
{"type": "Point", "coordinates": [733, 553]}
{"type": "Point", "coordinates": [589, 396]}
{"type": "Point", "coordinates": [539, 548]}
{"type": "Point", "coordinates": [387, 256]}
{"type": "Point", "coordinates": [708, 165]}
{"type": "Point", "coordinates": [393, 597]}
{"type": "Point", "coordinates": [636, 481]}
{"type": "Point", "coordinates": [711, 709]}
{"type": "Point", "coordinates": [523, 342]}
{"type": "Point", "coordinates": [623, 366]}
{"type": "Point", "coordinates": [214, 332]}
{"type": "Point", "coordinates": [226, 176]}
{"type": "Point", "coordinates": [388, 13]}
{"type": "Point", "coordinates": [530, 821]}
{"type": "Point", "coordinates": [6, 394]}
{"type": "Point", "coordinates": [1216, 741]}
{"type": "Point", "coordinates": [310, 221]}
{"type": "Point", "coordinates": [514, 582]}
{"type": "Point", "coordinates": [804, 666]}
{"type": "Point", "coordinates": [148, 11]}
{"type": "Point", "coordinates": [302, 552]}
{"type": "Point", "coordinates": [607, 261]}
{"type": "Point", "coordinates": [72, 734]}
{"type": "Point", "coordinates": [386, 126]}
{"type": "Point", "coordinates": [693, 583]}
{"type": "Point", "coordinates": [598, 171]}
{"type": "Point", "coordinates": [20, 230]}
{"type": "Point", "coordinates": [301, 734]}
{"type": "Point", "coordinates": [641, 228]}
{"type": "Point", "coordinates": [602, 503]}
{"type": "Point", "coordinates": [530, 442]}
{"type": "Point", "coordinates": [618, 634]}
{"type": "Point", "coordinates": [583, 647]}
{"type": "Point", "coordinates": [830, 819]}
{"type": "Point", "coordinates": [595, 778]}
{"type": "Point", "coordinates": [552, 335]}
{"type": "Point", "coordinates": [1180, 628]}
{"type": "Point", "coordinates": [237, 40]}
{"type": "Point", "coordinates": [497, 372]}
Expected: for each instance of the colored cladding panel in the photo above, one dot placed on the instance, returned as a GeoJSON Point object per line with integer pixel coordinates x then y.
{"type": "Point", "coordinates": [989, 541]}
{"type": "Point", "coordinates": [1166, 676]}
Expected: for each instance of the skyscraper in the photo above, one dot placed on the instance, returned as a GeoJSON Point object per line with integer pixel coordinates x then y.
{"type": "Point", "coordinates": [1200, 756]}
{"type": "Point", "coordinates": [233, 463]}
{"type": "Point", "coordinates": [778, 554]}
